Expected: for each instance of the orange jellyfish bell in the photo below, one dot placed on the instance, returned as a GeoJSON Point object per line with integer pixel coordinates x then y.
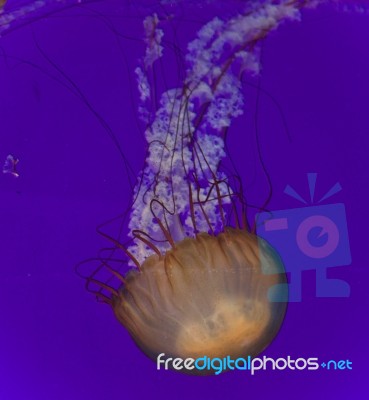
{"type": "Point", "coordinates": [208, 296]}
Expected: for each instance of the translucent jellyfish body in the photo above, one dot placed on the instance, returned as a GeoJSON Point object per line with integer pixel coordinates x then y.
{"type": "Point", "coordinates": [201, 283]}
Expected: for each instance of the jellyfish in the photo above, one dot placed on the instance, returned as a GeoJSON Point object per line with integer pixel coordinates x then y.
{"type": "Point", "coordinates": [200, 281]}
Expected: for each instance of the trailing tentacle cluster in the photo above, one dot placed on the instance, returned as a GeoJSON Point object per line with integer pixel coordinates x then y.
{"type": "Point", "coordinates": [181, 191]}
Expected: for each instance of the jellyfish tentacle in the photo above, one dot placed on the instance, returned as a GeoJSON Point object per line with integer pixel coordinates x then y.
{"type": "Point", "coordinates": [140, 235]}
{"type": "Point", "coordinates": [122, 247]}
{"type": "Point", "coordinates": [102, 285]}
{"type": "Point", "coordinates": [165, 230]}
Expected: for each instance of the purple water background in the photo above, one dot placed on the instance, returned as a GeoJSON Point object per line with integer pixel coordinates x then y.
{"type": "Point", "coordinates": [56, 342]}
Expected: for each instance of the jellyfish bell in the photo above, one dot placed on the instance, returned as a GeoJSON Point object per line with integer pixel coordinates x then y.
{"type": "Point", "coordinates": [208, 296]}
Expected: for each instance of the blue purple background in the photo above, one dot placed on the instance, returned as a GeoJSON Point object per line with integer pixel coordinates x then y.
{"type": "Point", "coordinates": [56, 342]}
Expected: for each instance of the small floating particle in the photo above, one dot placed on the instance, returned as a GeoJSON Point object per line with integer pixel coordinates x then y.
{"type": "Point", "coordinates": [10, 166]}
